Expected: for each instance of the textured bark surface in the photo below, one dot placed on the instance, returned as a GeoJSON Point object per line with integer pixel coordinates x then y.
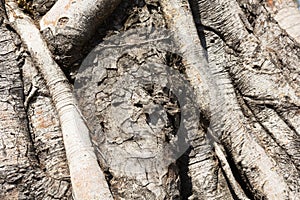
{"type": "Point", "coordinates": [15, 154]}
{"type": "Point", "coordinates": [80, 154]}
{"type": "Point", "coordinates": [69, 25]}
{"type": "Point", "coordinates": [22, 173]}
{"type": "Point", "coordinates": [193, 99]}
{"type": "Point", "coordinates": [241, 49]}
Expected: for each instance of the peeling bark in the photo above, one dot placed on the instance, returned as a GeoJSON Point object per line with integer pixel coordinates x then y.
{"type": "Point", "coordinates": [133, 145]}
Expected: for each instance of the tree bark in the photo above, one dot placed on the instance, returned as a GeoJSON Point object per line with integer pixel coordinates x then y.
{"type": "Point", "coordinates": [79, 151]}
{"type": "Point", "coordinates": [68, 25]}
{"type": "Point", "coordinates": [183, 99]}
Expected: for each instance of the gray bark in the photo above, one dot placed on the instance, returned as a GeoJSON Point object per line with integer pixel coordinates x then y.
{"type": "Point", "coordinates": [24, 172]}
{"type": "Point", "coordinates": [246, 56]}
{"type": "Point", "coordinates": [80, 154]}
{"type": "Point", "coordinates": [151, 142]}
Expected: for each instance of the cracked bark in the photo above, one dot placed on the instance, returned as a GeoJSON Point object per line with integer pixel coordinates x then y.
{"type": "Point", "coordinates": [244, 145]}
{"type": "Point", "coordinates": [262, 83]}
{"type": "Point", "coordinates": [21, 177]}
{"type": "Point", "coordinates": [79, 151]}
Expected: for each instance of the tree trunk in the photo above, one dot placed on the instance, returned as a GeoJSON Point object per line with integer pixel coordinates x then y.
{"type": "Point", "coordinates": [195, 99]}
